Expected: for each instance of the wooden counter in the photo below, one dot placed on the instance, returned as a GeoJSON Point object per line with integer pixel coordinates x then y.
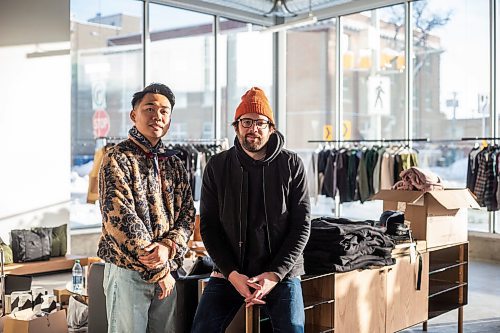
{"type": "Point", "coordinates": [55, 264]}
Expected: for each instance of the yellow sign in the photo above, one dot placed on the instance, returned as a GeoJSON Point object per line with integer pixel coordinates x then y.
{"type": "Point", "coordinates": [347, 130]}
{"type": "Point", "coordinates": [327, 132]}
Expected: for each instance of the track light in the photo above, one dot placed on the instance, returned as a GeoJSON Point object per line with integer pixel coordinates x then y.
{"type": "Point", "coordinates": [280, 9]}
{"type": "Point", "coordinates": [309, 19]}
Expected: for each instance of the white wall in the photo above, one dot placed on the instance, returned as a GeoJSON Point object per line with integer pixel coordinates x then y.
{"type": "Point", "coordinates": [35, 110]}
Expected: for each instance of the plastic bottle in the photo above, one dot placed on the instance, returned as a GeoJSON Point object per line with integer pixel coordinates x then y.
{"type": "Point", "coordinates": [77, 277]}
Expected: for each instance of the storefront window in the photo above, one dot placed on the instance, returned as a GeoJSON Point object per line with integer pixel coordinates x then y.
{"type": "Point", "coordinates": [451, 87]}
{"type": "Point", "coordinates": [373, 51]}
{"type": "Point", "coordinates": [106, 53]}
{"type": "Point", "coordinates": [245, 60]}
{"type": "Point", "coordinates": [310, 90]}
{"type": "Point", "coordinates": [311, 95]}
{"type": "Point", "coordinates": [182, 57]}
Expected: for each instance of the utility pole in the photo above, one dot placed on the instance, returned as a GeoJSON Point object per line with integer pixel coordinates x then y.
{"type": "Point", "coordinates": [482, 104]}
{"type": "Point", "coordinates": [453, 103]}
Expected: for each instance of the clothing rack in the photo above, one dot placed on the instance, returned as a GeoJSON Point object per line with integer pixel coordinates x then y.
{"type": "Point", "coordinates": [104, 140]}
{"type": "Point", "coordinates": [223, 142]}
{"type": "Point", "coordinates": [197, 140]}
{"type": "Point", "coordinates": [111, 138]}
{"type": "Point", "coordinates": [371, 140]}
{"type": "Point", "coordinates": [476, 138]}
{"type": "Point", "coordinates": [117, 138]}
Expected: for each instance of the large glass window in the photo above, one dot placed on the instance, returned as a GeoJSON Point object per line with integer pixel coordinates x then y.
{"type": "Point", "coordinates": [311, 95]}
{"type": "Point", "coordinates": [451, 81]}
{"type": "Point", "coordinates": [373, 45]}
{"type": "Point", "coordinates": [106, 53]}
{"type": "Point", "coordinates": [182, 56]}
{"type": "Point", "coordinates": [451, 87]}
{"type": "Point", "coordinates": [373, 51]}
{"type": "Point", "coordinates": [310, 90]}
{"type": "Point", "coordinates": [245, 60]}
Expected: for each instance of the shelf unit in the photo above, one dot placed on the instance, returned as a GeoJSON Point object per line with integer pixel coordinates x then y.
{"type": "Point", "coordinates": [448, 280]}
{"type": "Point", "coordinates": [377, 300]}
{"type": "Point", "coordinates": [318, 292]}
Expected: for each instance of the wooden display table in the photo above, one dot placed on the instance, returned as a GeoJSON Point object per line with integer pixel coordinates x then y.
{"type": "Point", "coordinates": [55, 264]}
{"type": "Point", "coordinates": [377, 300]}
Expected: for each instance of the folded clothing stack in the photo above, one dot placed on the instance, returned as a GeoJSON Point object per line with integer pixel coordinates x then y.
{"type": "Point", "coordinates": [342, 245]}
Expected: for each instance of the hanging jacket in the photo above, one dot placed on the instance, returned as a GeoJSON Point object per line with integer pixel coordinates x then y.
{"type": "Point", "coordinates": [224, 210]}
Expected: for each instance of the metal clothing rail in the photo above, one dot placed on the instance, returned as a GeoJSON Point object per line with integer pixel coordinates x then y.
{"type": "Point", "coordinates": [195, 140]}
{"type": "Point", "coordinates": [173, 141]}
{"type": "Point", "coordinates": [111, 138]}
{"type": "Point", "coordinates": [371, 140]}
{"type": "Point", "coordinates": [476, 138]}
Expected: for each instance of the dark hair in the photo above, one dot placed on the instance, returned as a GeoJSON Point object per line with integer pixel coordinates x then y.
{"type": "Point", "coordinates": [154, 88]}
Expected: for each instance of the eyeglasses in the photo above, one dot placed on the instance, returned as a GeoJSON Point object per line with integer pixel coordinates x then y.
{"type": "Point", "coordinates": [247, 123]}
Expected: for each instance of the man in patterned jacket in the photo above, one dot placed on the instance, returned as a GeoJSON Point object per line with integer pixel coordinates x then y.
{"type": "Point", "coordinates": [148, 216]}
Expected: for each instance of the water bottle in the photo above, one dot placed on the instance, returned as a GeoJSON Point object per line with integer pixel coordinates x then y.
{"type": "Point", "coordinates": [77, 277]}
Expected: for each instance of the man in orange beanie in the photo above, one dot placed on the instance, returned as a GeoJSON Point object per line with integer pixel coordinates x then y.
{"type": "Point", "coordinates": [255, 224]}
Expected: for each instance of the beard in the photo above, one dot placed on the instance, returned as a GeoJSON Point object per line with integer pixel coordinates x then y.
{"type": "Point", "coordinates": [252, 143]}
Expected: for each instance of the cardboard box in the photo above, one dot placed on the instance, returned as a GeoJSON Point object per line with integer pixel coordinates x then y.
{"type": "Point", "coordinates": [2, 320]}
{"type": "Point", "coordinates": [53, 323]}
{"type": "Point", "coordinates": [438, 217]}
{"type": "Point", "coordinates": [18, 301]}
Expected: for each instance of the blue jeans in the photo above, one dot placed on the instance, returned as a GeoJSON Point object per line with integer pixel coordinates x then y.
{"type": "Point", "coordinates": [220, 302]}
{"type": "Point", "coordinates": [132, 304]}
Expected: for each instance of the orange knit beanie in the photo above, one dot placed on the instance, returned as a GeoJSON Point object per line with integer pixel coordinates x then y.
{"type": "Point", "coordinates": [254, 101]}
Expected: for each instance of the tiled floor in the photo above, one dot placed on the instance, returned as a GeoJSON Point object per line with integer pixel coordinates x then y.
{"type": "Point", "coordinates": [481, 315]}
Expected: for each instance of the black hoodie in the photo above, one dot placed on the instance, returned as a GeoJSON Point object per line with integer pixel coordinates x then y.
{"type": "Point", "coordinates": [257, 254]}
{"type": "Point", "coordinates": [229, 217]}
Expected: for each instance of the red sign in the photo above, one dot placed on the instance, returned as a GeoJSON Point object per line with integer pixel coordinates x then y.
{"type": "Point", "coordinates": [100, 123]}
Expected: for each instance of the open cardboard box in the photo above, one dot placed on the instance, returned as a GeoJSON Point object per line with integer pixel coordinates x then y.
{"type": "Point", "coordinates": [438, 217]}
{"type": "Point", "coordinates": [53, 323]}
{"type": "Point", "coordinates": [2, 320]}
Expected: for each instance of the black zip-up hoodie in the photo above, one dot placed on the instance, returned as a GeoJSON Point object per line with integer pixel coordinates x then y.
{"type": "Point", "coordinates": [227, 213]}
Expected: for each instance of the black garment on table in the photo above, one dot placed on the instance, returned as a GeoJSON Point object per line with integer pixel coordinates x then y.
{"type": "Point", "coordinates": [318, 266]}
{"type": "Point", "coordinates": [341, 245]}
{"type": "Point", "coordinates": [257, 255]}
{"type": "Point", "coordinates": [391, 216]}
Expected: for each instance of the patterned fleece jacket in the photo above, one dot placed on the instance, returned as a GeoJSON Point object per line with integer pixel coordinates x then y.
{"type": "Point", "coordinates": [145, 197]}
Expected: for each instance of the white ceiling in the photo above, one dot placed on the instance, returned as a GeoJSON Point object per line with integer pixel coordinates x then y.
{"type": "Point", "coordinates": [264, 7]}
{"type": "Point", "coordinates": [257, 11]}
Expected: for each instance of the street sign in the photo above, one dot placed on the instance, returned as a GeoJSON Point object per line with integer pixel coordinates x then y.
{"type": "Point", "coordinates": [100, 123]}
{"type": "Point", "coordinates": [379, 95]}
{"type": "Point", "coordinates": [327, 132]}
{"type": "Point", "coordinates": [452, 103]}
{"type": "Point", "coordinates": [347, 130]}
{"type": "Point", "coordinates": [98, 95]}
